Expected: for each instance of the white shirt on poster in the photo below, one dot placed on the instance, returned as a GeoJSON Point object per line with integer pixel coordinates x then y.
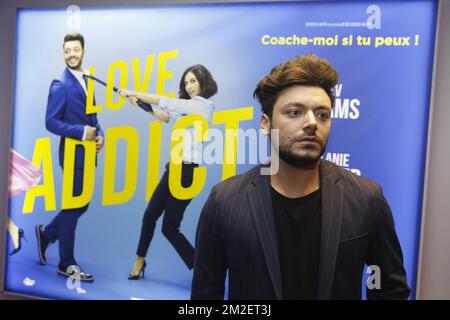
{"type": "Point", "coordinates": [177, 108]}
{"type": "Point", "coordinates": [79, 76]}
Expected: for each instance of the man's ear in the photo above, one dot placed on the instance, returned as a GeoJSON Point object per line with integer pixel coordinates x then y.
{"type": "Point", "coordinates": [265, 124]}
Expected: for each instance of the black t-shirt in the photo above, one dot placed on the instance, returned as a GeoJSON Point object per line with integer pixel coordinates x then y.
{"type": "Point", "coordinates": [297, 223]}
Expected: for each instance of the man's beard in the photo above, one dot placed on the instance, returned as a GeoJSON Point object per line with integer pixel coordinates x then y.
{"type": "Point", "coordinates": [78, 65]}
{"type": "Point", "coordinates": [299, 161]}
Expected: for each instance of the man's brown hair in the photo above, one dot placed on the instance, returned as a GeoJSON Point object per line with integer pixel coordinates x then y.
{"type": "Point", "coordinates": [74, 37]}
{"type": "Point", "coordinates": [308, 70]}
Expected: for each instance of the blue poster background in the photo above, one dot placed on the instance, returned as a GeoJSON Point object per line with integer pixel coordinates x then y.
{"type": "Point", "coordinates": [382, 136]}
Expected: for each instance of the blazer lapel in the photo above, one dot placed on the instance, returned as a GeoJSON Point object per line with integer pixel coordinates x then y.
{"type": "Point", "coordinates": [259, 198]}
{"type": "Point", "coordinates": [332, 195]}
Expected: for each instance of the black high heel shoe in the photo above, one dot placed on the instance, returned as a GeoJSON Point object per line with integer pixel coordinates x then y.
{"type": "Point", "coordinates": [19, 247]}
{"type": "Point", "coordinates": [140, 275]}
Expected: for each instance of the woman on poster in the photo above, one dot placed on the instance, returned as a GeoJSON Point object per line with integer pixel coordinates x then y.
{"type": "Point", "coordinates": [23, 175]}
{"type": "Point", "coordinates": [196, 88]}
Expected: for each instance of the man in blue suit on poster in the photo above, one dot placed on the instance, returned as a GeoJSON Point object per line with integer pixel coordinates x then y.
{"type": "Point", "coordinates": [66, 117]}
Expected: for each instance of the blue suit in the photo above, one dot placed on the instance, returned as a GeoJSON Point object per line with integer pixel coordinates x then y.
{"type": "Point", "coordinates": [66, 117]}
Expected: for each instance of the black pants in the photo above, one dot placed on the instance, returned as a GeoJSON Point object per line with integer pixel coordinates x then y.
{"type": "Point", "coordinates": [163, 201]}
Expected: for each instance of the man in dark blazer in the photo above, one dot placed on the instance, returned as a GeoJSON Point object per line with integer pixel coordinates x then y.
{"type": "Point", "coordinates": [66, 117]}
{"type": "Point", "coordinates": [306, 230]}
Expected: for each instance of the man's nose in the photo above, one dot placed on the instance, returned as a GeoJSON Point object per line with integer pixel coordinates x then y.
{"type": "Point", "coordinates": [310, 121]}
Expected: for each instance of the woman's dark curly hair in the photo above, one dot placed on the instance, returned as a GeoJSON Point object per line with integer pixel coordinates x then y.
{"type": "Point", "coordinates": [208, 86]}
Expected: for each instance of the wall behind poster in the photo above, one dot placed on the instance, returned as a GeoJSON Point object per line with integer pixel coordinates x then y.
{"type": "Point", "coordinates": [379, 126]}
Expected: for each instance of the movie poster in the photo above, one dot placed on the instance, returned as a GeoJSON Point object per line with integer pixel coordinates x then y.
{"type": "Point", "coordinates": [114, 153]}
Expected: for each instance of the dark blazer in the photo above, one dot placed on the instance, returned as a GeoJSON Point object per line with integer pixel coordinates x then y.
{"type": "Point", "coordinates": [236, 232]}
{"type": "Point", "coordinates": [66, 114]}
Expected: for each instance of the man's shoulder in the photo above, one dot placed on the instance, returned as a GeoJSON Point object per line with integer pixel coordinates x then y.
{"type": "Point", "coordinates": [352, 180]}
{"type": "Point", "coordinates": [238, 183]}
{"type": "Point", "coordinates": [59, 82]}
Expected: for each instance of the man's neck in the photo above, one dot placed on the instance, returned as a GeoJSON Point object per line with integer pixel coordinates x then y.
{"type": "Point", "coordinates": [295, 182]}
{"type": "Point", "coordinates": [79, 69]}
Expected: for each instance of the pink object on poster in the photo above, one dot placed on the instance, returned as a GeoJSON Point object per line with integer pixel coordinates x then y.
{"type": "Point", "coordinates": [23, 174]}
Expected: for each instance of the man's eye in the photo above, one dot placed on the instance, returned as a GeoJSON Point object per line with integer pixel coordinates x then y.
{"type": "Point", "coordinates": [323, 115]}
{"type": "Point", "coordinates": [293, 113]}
